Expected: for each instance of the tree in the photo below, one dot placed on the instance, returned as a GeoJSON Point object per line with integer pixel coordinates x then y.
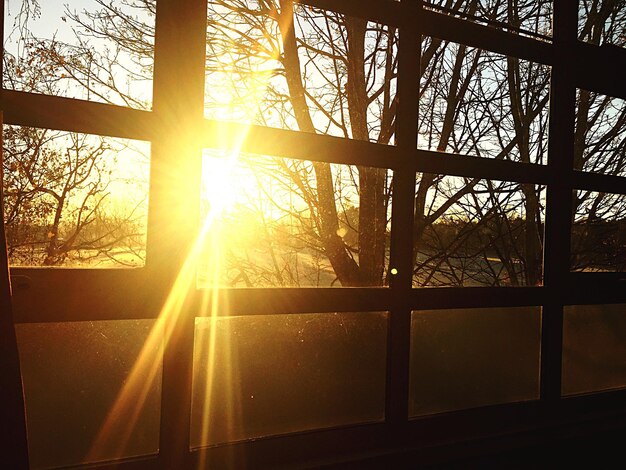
{"type": "Point", "coordinates": [57, 188]}
{"type": "Point", "coordinates": [61, 187]}
{"type": "Point", "coordinates": [277, 63]}
{"type": "Point", "coordinates": [327, 74]}
{"type": "Point", "coordinates": [600, 147]}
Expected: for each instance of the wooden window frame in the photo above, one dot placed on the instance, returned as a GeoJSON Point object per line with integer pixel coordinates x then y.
{"type": "Point", "coordinates": [118, 294]}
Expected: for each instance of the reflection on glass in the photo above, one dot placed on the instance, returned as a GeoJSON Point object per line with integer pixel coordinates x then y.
{"type": "Point", "coordinates": [483, 104]}
{"type": "Point", "coordinates": [88, 396]}
{"type": "Point", "coordinates": [74, 200]}
{"type": "Point", "coordinates": [298, 67]}
{"type": "Point", "coordinates": [602, 22]}
{"type": "Point", "coordinates": [271, 222]}
{"type": "Point", "coordinates": [474, 232]}
{"type": "Point", "coordinates": [527, 17]}
{"type": "Point", "coordinates": [594, 348]}
{"type": "Point", "coordinates": [96, 50]}
{"type": "Point", "coordinates": [600, 137]}
{"type": "Point", "coordinates": [256, 376]}
{"type": "Point", "coordinates": [466, 358]}
{"type": "Point", "coordinates": [599, 232]}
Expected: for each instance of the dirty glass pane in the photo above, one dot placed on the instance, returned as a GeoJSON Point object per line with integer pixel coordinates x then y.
{"type": "Point", "coordinates": [264, 375]}
{"type": "Point", "coordinates": [526, 17]}
{"type": "Point", "coordinates": [466, 358]}
{"type": "Point", "coordinates": [96, 50]}
{"type": "Point", "coordinates": [276, 222]}
{"type": "Point", "coordinates": [602, 22]}
{"type": "Point", "coordinates": [308, 69]}
{"type": "Point", "coordinates": [600, 138]}
{"type": "Point", "coordinates": [598, 232]}
{"type": "Point", "coordinates": [473, 232]}
{"type": "Point", "coordinates": [483, 104]}
{"type": "Point", "coordinates": [92, 390]}
{"type": "Point", "coordinates": [594, 348]}
{"type": "Point", "coordinates": [74, 200]}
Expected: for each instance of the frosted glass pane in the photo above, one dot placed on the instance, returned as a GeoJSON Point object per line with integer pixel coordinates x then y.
{"type": "Point", "coordinates": [88, 396]}
{"type": "Point", "coordinates": [264, 375]}
{"type": "Point", "coordinates": [594, 348]}
{"type": "Point", "coordinates": [466, 358]}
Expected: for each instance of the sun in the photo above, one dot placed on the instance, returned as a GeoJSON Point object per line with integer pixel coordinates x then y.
{"type": "Point", "coordinates": [220, 186]}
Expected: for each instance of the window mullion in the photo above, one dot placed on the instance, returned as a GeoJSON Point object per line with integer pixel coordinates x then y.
{"type": "Point", "coordinates": [401, 254]}
{"type": "Point", "coordinates": [180, 44]}
{"type": "Point", "coordinates": [559, 198]}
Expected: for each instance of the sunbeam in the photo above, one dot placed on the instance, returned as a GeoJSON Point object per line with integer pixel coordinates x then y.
{"type": "Point", "coordinates": [119, 425]}
{"type": "Point", "coordinates": [218, 194]}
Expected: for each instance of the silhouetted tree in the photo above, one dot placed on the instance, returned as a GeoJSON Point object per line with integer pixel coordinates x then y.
{"type": "Point", "coordinates": [277, 63]}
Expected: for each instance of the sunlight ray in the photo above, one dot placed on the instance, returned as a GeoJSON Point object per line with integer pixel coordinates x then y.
{"type": "Point", "coordinates": [123, 416]}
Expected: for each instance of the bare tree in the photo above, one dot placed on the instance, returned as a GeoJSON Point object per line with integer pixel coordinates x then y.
{"type": "Point", "coordinates": [57, 188]}
{"type": "Point", "coordinates": [600, 147]}
{"type": "Point", "coordinates": [277, 63]}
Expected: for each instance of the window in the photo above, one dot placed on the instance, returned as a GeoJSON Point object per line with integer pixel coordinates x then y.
{"type": "Point", "coordinates": [297, 232]}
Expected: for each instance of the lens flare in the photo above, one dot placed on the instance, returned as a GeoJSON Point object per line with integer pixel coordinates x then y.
{"type": "Point", "coordinates": [219, 194]}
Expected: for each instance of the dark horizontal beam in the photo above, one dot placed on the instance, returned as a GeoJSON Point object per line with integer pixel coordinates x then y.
{"type": "Point", "coordinates": [117, 294]}
{"type": "Point", "coordinates": [59, 295]}
{"type": "Point", "coordinates": [601, 69]}
{"type": "Point", "coordinates": [324, 148]}
{"type": "Point", "coordinates": [388, 12]}
{"type": "Point", "coordinates": [103, 119]}
{"type": "Point", "coordinates": [599, 182]}
{"type": "Point", "coordinates": [478, 167]}
{"type": "Point", "coordinates": [299, 145]}
{"type": "Point", "coordinates": [476, 297]}
{"type": "Point", "coordinates": [108, 120]}
{"type": "Point", "coordinates": [68, 114]}
{"type": "Point", "coordinates": [408, 14]}
{"type": "Point", "coordinates": [292, 300]}
{"type": "Point", "coordinates": [457, 30]}
{"type": "Point", "coordinates": [596, 288]}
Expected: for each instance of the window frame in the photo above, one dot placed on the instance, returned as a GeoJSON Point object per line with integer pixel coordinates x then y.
{"type": "Point", "coordinates": [178, 111]}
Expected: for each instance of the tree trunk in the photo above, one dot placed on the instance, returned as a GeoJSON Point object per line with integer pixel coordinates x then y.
{"type": "Point", "coordinates": [521, 120]}
{"type": "Point", "coordinates": [372, 216]}
{"type": "Point", "coordinates": [343, 264]}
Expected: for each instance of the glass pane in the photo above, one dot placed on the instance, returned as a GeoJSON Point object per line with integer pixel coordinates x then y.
{"type": "Point", "coordinates": [97, 50]}
{"type": "Point", "coordinates": [602, 22]}
{"type": "Point", "coordinates": [480, 103]}
{"type": "Point", "coordinates": [599, 232]}
{"type": "Point", "coordinates": [466, 358]}
{"type": "Point", "coordinates": [474, 232]}
{"type": "Point", "coordinates": [92, 390]}
{"type": "Point", "coordinates": [256, 376]}
{"type": "Point", "coordinates": [307, 69]}
{"type": "Point", "coordinates": [271, 222]}
{"type": "Point", "coordinates": [74, 200]}
{"type": "Point", "coordinates": [527, 17]}
{"type": "Point", "coordinates": [600, 139]}
{"type": "Point", "coordinates": [594, 348]}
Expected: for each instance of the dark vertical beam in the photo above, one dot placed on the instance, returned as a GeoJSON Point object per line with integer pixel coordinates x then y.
{"type": "Point", "coordinates": [401, 256]}
{"type": "Point", "coordinates": [559, 198]}
{"type": "Point", "coordinates": [174, 207]}
{"type": "Point", "coordinates": [13, 439]}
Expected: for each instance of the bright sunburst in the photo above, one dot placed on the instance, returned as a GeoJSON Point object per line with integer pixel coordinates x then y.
{"type": "Point", "coordinates": [220, 186]}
